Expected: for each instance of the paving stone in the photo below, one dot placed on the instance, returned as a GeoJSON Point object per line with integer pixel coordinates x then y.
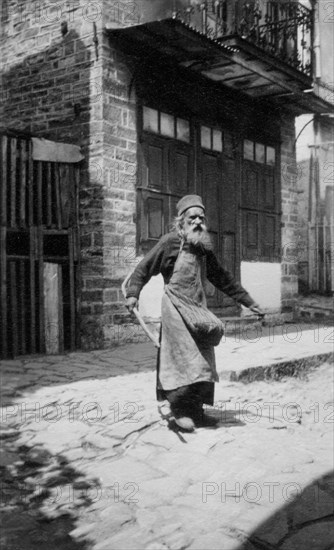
{"type": "Point", "coordinates": [97, 441]}
{"type": "Point", "coordinates": [38, 456]}
{"type": "Point", "coordinates": [317, 537]}
{"type": "Point", "coordinates": [164, 490]}
{"type": "Point", "coordinates": [122, 471]}
{"type": "Point", "coordinates": [271, 531]}
{"type": "Point", "coordinates": [312, 504]}
{"type": "Point", "coordinates": [82, 532]}
{"type": "Point", "coordinates": [176, 539]}
{"type": "Point", "coordinates": [160, 437]}
{"type": "Point", "coordinates": [128, 539]}
{"type": "Point", "coordinates": [156, 545]}
{"type": "Point", "coordinates": [121, 430]}
{"type": "Point", "coordinates": [215, 541]}
{"type": "Point", "coordinates": [58, 437]}
{"type": "Point", "coordinates": [150, 519]}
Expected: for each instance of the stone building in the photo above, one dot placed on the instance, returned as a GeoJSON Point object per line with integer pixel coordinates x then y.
{"type": "Point", "coordinates": [316, 209]}
{"type": "Point", "coordinates": [163, 98]}
{"type": "Point", "coordinates": [315, 159]}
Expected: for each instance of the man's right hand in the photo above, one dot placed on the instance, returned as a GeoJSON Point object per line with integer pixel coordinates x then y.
{"type": "Point", "coordinates": [131, 303]}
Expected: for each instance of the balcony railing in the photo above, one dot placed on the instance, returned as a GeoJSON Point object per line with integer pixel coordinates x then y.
{"type": "Point", "coordinates": [283, 29]}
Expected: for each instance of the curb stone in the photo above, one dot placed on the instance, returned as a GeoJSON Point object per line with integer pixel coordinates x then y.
{"type": "Point", "coordinates": [277, 371]}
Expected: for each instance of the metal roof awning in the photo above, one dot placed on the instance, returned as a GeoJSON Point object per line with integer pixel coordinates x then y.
{"type": "Point", "coordinates": [235, 63]}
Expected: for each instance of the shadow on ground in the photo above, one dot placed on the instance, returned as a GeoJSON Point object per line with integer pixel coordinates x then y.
{"type": "Point", "coordinates": [24, 523]}
{"type": "Point", "coordinates": [305, 523]}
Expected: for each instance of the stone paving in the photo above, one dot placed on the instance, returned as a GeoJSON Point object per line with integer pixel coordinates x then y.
{"type": "Point", "coordinates": [100, 454]}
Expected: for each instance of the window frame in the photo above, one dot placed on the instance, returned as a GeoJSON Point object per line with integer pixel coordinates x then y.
{"type": "Point", "coordinates": [176, 118]}
{"type": "Point", "coordinates": [263, 205]}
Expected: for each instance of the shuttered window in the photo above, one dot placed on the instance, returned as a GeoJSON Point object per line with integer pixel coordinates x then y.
{"type": "Point", "coordinates": [166, 172]}
{"type": "Point", "coordinates": [260, 203]}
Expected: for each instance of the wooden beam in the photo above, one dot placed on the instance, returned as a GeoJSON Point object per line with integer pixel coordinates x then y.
{"type": "Point", "coordinates": [23, 181]}
{"type": "Point", "coordinates": [13, 307]}
{"type": "Point", "coordinates": [23, 312]}
{"type": "Point", "coordinates": [72, 288]}
{"type": "Point", "coordinates": [41, 292]}
{"type": "Point", "coordinates": [13, 156]}
{"type": "Point", "coordinates": [65, 194]}
{"type": "Point", "coordinates": [32, 289]}
{"type": "Point", "coordinates": [60, 308]}
{"type": "Point", "coordinates": [58, 201]}
{"type": "Point", "coordinates": [39, 194]}
{"type": "Point", "coordinates": [48, 196]}
{"type": "Point", "coordinates": [53, 302]}
{"type": "Point", "coordinates": [76, 220]}
{"type": "Point", "coordinates": [51, 151]}
{"type": "Point", "coordinates": [30, 186]}
{"type": "Point", "coordinates": [3, 291]}
{"type": "Point", "coordinates": [4, 182]}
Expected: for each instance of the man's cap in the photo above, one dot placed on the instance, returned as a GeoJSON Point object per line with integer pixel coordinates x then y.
{"type": "Point", "coordinates": [189, 201]}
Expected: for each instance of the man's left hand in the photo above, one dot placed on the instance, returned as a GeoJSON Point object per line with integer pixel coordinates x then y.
{"type": "Point", "coordinates": [256, 309]}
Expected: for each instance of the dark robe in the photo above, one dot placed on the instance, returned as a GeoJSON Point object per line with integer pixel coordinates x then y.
{"type": "Point", "coordinates": [183, 361]}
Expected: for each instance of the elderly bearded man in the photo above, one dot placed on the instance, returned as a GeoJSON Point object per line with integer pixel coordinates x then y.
{"type": "Point", "coordinates": [186, 369]}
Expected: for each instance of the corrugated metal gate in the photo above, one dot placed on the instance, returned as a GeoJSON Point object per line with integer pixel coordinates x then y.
{"type": "Point", "coordinates": [39, 251]}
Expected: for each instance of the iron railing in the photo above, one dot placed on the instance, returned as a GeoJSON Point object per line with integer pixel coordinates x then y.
{"type": "Point", "coordinates": [281, 28]}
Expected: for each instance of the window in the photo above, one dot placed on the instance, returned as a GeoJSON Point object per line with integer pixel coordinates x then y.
{"type": "Point", "coordinates": [211, 139]}
{"type": "Point", "coordinates": [270, 157]}
{"type": "Point", "coordinates": [260, 203]}
{"type": "Point", "coordinates": [150, 118]}
{"type": "Point", "coordinates": [165, 124]}
{"type": "Point", "coordinates": [166, 172]}
{"type": "Point", "coordinates": [182, 130]}
{"type": "Point", "coordinates": [248, 150]}
{"type": "Point", "coordinates": [258, 152]}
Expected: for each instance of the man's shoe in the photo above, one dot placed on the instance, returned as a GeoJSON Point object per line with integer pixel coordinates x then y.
{"type": "Point", "coordinates": [208, 421]}
{"type": "Point", "coordinates": [186, 423]}
{"type": "Point", "coordinates": [203, 420]}
{"type": "Point", "coordinates": [165, 410]}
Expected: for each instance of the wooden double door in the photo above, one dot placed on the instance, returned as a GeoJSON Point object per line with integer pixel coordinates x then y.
{"type": "Point", "coordinates": [38, 251]}
{"type": "Point", "coordinates": [169, 170]}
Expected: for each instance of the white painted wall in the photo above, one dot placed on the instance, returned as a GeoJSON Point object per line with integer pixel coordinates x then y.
{"type": "Point", "coordinates": [150, 297]}
{"type": "Point", "coordinates": [262, 281]}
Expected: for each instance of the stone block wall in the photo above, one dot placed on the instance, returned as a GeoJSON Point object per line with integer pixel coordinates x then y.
{"type": "Point", "coordinates": [302, 229]}
{"type": "Point", "coordinates": [117, 233]}
{"type": "Point", "coordinates": [61, 80]}
{"type": "Point", "coordinates": [289, 201]}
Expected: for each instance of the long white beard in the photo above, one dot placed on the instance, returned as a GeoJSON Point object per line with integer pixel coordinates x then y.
{"type": "Point", "coordinates": [199, 238]}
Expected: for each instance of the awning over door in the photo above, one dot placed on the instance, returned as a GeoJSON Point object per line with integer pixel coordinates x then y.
{"type": "Point", "coordinates": [235, 63]}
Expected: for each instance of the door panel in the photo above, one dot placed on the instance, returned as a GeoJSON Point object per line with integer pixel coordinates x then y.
{"type": "Point", "coordinates": [219, 196]}
{"type": "Point", "coordinates": [181, 169]}
{"type": "Point", "coordinates": [154, 165]}
{"type": "Point", "coordinates": [167, 174]}
{"type": "Point", "coordinates": [211, 182]}
{"type": "Point", "coordinates": [260, 212]}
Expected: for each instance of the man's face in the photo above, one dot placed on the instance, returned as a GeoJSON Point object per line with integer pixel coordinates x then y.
{"type": "Point", "coordinates": [194, 219]}
{"type": "Point", "coordinates": [195, 228]}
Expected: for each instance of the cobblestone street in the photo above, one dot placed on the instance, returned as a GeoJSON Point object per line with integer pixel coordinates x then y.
{"type": "Point", "coordinates": [82, 435]}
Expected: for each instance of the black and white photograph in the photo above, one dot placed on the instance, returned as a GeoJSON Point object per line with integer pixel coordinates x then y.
{"type": "Point", "coordinates": [167, 274]}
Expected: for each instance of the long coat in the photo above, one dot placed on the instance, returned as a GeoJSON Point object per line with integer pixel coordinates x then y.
{"type": "Point", "coordinates": [183, 360]}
